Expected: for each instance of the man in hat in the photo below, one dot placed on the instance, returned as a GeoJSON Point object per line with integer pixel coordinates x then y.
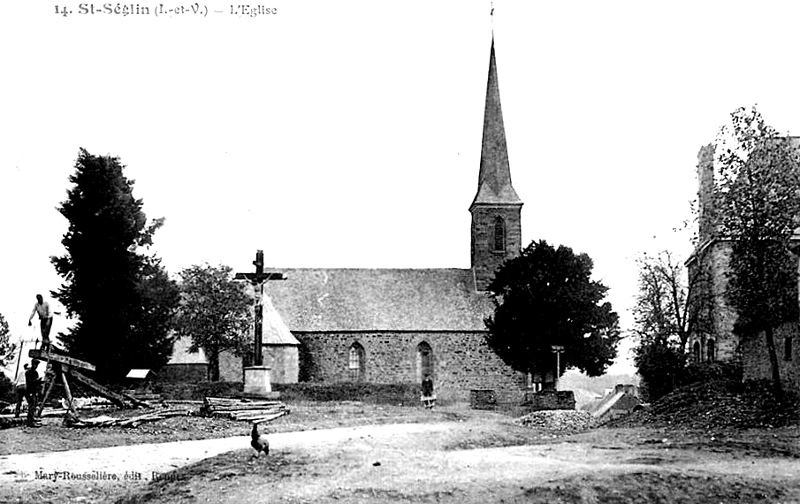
{"type": "Point", "coordinates": [32, 386]}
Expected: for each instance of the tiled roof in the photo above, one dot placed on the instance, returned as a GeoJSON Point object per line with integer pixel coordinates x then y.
{"type": "Point", "coordinates": [319, 300]}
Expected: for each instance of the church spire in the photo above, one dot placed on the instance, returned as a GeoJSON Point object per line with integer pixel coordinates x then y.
{"type": "Point", "coordinates": [494, 179]}
{"type": "Point", "coordinates": [496, 220]}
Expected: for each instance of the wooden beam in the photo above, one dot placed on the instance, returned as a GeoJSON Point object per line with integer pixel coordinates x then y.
{"type": "Point", "coordinates": [96, 387]}
{"type": "Point", "coordinates": [46, 356]}
{"type": "Point", "coordinates": [67, 392]}
{"type": "Point", "coordinates": [52, 384]}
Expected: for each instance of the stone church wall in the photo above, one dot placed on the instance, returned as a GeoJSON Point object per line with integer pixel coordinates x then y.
{"type": "Point", "coordinates": [717, 317]}
{"type": "Point", "coordinates": [461, 362]}
{"type": "Point", "coordinates": [755, 358]}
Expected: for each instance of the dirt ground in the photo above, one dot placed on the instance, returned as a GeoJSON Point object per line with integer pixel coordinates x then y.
{"type": "Point", "coordinates": [449, 455]}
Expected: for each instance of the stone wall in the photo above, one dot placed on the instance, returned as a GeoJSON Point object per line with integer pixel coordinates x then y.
{"type": "Point", "coordinates": [755, 358]}
{"type": "Point", "coordinates": [709, 269]}
{"type": "Point", "coordinates": [486, 260]}
{"type": "Point", "coordinates": [283, 362]}
{"type": "Point", "coordinates": [461, 362]}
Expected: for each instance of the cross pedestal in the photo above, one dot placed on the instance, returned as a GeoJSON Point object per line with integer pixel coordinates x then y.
{"type": "Point", "coordinates": [257, 382]}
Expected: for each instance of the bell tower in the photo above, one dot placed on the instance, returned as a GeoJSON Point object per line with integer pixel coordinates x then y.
{"type": "Point", "coordinates": [496, 209]}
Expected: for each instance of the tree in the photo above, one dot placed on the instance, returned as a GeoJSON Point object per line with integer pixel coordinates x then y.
{"type": "Point", "coordinates": [123, 298]}
{"type": "Point", "coordinates": [7, 348]}
{"type": "Point", "coordinates": [663, 320]}
{"type": "Point", "coordinates": [546, 297]}
{"type": "Point", "coordinates": [216, 312]}
{"type": "Point", "coordinates": [758, 206]}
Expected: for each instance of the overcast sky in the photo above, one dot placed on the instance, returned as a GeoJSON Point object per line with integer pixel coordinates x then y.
{"type": "Point", "coordinates": [347, 134]}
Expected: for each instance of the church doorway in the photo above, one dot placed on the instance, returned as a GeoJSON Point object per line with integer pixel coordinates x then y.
{"type": "Point", "coordinates": [424, 361]}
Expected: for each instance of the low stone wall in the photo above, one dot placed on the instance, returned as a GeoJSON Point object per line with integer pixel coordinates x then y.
{"type": "Point", "coordinates": [550, 400]}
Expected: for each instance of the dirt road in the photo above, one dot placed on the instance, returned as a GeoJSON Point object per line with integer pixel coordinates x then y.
{"type": "Point", "coordinates": [462, 461]}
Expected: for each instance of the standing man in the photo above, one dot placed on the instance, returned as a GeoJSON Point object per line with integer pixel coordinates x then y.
{"type": "Point", "coordinates": [42, 307]}
{"type": "Point", "coordinates": [20, 391]}
{"type": "Point", "coordinates": [32, 386]}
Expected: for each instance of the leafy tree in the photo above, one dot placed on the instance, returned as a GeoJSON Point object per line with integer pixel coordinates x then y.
{"type": "Point", "coordinates": [216, 312]}
{"type": "Point", "coordinates": [663, 320]}
{"type": "Point", "coordinates": [758, 205]}
{"type": "Point", "coordinates": [7, 348]}
{"type": "Point", "coordinates": [123, 298]}
{"type": "Point", "coordinates": [546, 297]}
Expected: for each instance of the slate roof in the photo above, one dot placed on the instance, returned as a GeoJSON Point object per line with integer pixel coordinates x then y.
{"type": "Point", "coordinates": [328, 300]}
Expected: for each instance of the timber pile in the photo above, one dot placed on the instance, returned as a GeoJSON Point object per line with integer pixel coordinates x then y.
{"type": "Point", "coordinates": [108, 421]}
{"type": "Point", "coordinates": [256, 411]}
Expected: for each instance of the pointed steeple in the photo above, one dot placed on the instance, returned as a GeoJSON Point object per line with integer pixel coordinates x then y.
{"type": "Point", "coordinates": [496, 209]}
{"type": "Point", "coordinates": [494, 179]}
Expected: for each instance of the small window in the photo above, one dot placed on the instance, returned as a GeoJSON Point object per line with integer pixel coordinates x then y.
{"type": "Point", "coordinates": [711, 350]}
{"type": "Point", "coordinates": [696, 351]}
{"type": "Point", "coordinates": [787, 348]}
{"type": "Point", "coordinates": [356, 363]}
{"type": "Point", "coordinates": [499, 235]}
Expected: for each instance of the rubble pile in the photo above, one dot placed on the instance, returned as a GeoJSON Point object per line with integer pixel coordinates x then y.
{"type": "Point", "coordinates": [718, 404]}
{"type": "Point", "coordinates": [557, 421]}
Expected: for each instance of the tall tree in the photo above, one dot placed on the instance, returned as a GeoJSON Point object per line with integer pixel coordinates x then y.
{"type": "Point", "coordinates": [122, 297]}
{"type": "Point", "coordinates": [216, 313]}
{"type": "Point", "coordinates": [7, 348]}
{"type": "Point", "coordinates": [664, 309]}
{"type": "Point", "coordinates": [663, 321]}
{"type": "Point", "coordinates": [758, 206]}
{"type": "Point", "coordinates": [546, 297]}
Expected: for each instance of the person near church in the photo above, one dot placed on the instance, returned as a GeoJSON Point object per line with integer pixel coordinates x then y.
{"type": "Point", "coordinates": [20, 389]}
{"type": "Point", "coordinates": [33, 385]}
{"type": "Point", "coordinates": [428, 399]}
{"type": "Point", "coordinates": [42, 308]}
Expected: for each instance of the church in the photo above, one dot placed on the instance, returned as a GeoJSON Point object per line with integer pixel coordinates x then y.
{"type": "Point", "coordinates": [401, 325]}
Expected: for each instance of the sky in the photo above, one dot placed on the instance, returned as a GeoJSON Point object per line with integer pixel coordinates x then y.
{"type": "Point", "coordinates": [347, 134]}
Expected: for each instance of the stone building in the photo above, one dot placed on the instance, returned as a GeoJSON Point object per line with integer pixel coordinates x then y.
{"type": "Point", "coordinates": [398, 325]}
{"type": "Point", "coordinates": [713, 338]}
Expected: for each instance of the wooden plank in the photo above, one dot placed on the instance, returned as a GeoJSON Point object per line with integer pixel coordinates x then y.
{"type": "Point", "coordinates": [67, 392]}
{"type": "Point", "coordinates": [47, 356]}
{"type": "Point", "coordinates": [96, 387]}
{"type": "Point", "coordinates": [46, 395]}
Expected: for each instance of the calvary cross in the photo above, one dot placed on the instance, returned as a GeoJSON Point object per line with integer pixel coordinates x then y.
{"type": "Point", "coordinates": [257, 279]}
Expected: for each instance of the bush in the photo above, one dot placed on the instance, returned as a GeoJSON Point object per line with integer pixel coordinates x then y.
{"type": "Point", "coordinates": [711, 371]}
{"type": "Point", "coordinates": [198, 390]}
{"type": "Point", "coordinates": [375, 393]}
{"type": "Point", "coordinates": [6, 389]}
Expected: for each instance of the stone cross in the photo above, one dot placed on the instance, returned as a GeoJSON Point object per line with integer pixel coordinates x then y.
{"type": "Point", "coordinates": [257, 280]}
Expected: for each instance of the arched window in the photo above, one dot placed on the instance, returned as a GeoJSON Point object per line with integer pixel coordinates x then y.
{"type": "Point", "coordinates": [424, 361]}
{"type": "Point", "coordinates": [696, 351]}
{"type": "Point", "coordinates": [787, 348]}
{"type": "Point", "coordinates": [499, 234]}
{"type": "Point", "coordinates": [711, 350]}
{"type": "Point", "coordinates": [357, 365]}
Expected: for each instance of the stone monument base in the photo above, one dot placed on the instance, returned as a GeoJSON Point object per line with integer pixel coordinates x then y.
{"type": "Point", "coordinates": [257, 384]}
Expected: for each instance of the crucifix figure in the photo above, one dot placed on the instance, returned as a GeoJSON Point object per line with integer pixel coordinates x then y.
{"type": "Point", "coordinates": [257, 280]}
